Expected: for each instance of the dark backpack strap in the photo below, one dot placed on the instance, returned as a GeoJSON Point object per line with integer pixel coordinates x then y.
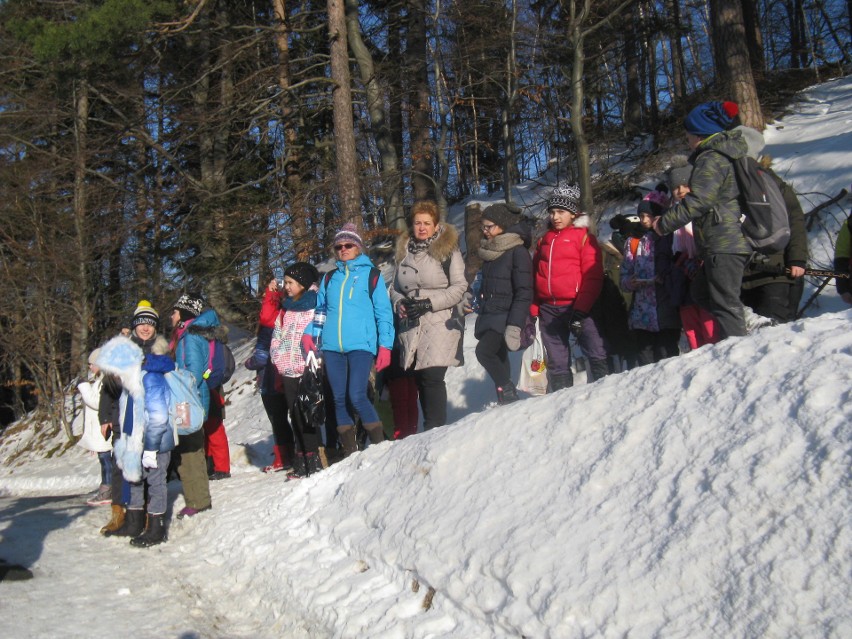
{"type": "Point", "coordinates": [375, 274]}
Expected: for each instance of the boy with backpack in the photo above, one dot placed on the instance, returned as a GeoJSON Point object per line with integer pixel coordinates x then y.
{"type": "Point", "coordinates": [713, 207]}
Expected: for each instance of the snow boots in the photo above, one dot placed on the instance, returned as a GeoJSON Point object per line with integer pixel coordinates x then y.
{"type": "Point", "coordinates": [155, 532]}
{"type": "Point", "coordinates": [558, 381]}
{"type": "Point", "coordinates": [507, 394]}
{"type": "Point", "coordinates": [115, 522]}
{"type": "Point", "coordinates": [348, 439]}
{"type": "Point", "coordinates": [598, 368]}
{"type": "Point", "coordinates": [134, 523]}
{"type": "Point", "coordinates": [376, 432]}
{"type": "Point", "coordinates": [305, 465]}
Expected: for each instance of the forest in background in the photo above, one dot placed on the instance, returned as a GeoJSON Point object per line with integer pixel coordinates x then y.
{"type": "Point", "coordinates": [149, 147]}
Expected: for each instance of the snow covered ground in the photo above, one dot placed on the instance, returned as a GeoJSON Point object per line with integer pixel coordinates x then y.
{"type": "Point", "coordinates": [705, 496]}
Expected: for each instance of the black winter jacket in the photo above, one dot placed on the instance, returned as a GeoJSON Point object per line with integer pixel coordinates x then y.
{"type": "Point", "coordinates": [507, 286]}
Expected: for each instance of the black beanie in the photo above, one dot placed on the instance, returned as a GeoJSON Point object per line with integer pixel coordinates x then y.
{"type": "Point", "coordinates": [502, 215]}
{"type": "Point", "coordinates": [304, 273]}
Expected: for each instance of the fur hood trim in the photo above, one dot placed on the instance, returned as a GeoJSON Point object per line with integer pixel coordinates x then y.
{"type": "Point", "coordinates": [123, 358]}
{"type": "Point", "coordinates": [441, 249]}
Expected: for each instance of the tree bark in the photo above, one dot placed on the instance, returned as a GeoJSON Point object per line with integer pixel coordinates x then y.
{"type": "Point", "coordinates": [348, 191]}
{"type": "Point", "coordinates": [733, 66]}
{"type": "Point", "coordinates": [391, 178]}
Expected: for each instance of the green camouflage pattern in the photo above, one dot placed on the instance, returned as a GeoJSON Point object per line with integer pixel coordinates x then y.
{"type": "Point", "coordinates": [711, 204]}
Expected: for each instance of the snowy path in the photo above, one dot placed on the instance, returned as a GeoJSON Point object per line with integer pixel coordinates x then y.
{"type": "Point", "coordinates": [83, 580]}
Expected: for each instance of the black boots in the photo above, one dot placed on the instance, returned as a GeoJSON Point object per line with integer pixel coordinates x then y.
{"type": "Point", "coordinates": [155, 532]}
{"type": "Point", "coordinates": [134, 523]}
{"type": "Point", "coordinates": [506, 394]}
{"type": "Point", "coordinates": [305, 465]}
{"type": "Point", "coordinates": [558, 381]}
{"type": "Point", "coordinates": [598, 368]}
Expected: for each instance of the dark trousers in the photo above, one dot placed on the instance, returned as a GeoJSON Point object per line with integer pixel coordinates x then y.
{"type": "Point", "coordinates": [433, 395]}
{"type": "Point", "coordinates": [493, 356]}
{"type": "Point", "coordinates": [306, 436]}
{"type": "Point", "coordinates": [282, 433]}
{"type": "Point", "coordinates": [770, 300]}
{"type": "Point", "coordinates": [717, 286]}
{"type": "Point", "coordinates": [653, 346]}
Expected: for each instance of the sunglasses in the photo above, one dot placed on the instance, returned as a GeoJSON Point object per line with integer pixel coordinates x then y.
{"type": "Point", "coordinates": [340, 247]}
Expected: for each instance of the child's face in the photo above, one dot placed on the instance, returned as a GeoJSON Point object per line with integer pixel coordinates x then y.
{"type": "Point", "coordinates": [680, 191]}
{"type": "Point", "coordinates": [561, 219]}
{"type": "Point", "coordinates": [646, 220]}
{"type": "Point", "coordinates": [293, 288]}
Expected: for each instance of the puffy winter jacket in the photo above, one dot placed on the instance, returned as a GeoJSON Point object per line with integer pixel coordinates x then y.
{"type": "Point", "coordinates": [92, 438]}
{"type": "Point", "coordinates": [192, 351]}
{"type": "Point", "coordinates": [712, 205]}
{"type": "Point", "coordinates": [436, 274]}
{"type": "Point", "coordinates": [506, 292]}
{"type": "Point", "coordinates": [652, 307]}
{"type": "Point", "coordinates": [568, 268]}
{"type": "Point", "coordinates": [159, 434]}
{"type": "Point", "coordinates": [354, 319]}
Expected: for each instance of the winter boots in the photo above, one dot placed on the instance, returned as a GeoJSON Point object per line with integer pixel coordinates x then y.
{"type": "Point", "coordinates": [348, 439]}
{"type": "Point", "coordinates": [305, 465]}
{"type": "Point", "coordinates": [558, 381]}
{"type": "Point", "coordinates": [598, 368]}
{"type": "Point", "coordinates": [134, 523]}
{"type": "Point", "coordinates": [507, 394]}
{"type": "Point", "coordinates": [115, 522]}
{"type": "Point", "coordinates": [376, 432]}
{"type": "Point", "coordinates": [155, 532]}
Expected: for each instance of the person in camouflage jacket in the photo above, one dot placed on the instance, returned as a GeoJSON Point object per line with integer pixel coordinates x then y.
{"type": "Point", "coordinates": [714, 211]}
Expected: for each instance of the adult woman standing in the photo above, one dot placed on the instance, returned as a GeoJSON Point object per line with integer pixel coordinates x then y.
{"type": "Point", "coordinates": [504, 296]}
{"type": "Point", "coordinates": [429, 284]}
{"type": "Point", "coordinates": [354, 321]}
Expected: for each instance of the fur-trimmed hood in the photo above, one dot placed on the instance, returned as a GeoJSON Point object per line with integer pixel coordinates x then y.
{"type": "Point", "coordinates": [440, 249]}
{"type": "Point", "coordinates": [123, 358]}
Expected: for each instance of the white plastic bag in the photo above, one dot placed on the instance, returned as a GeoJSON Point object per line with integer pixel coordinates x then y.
{"type": "Point", "coordinates": [533, 368]}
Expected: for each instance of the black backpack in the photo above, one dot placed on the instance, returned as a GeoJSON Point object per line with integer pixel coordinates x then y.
{"type": "Point", "coordinates": [765, 222]}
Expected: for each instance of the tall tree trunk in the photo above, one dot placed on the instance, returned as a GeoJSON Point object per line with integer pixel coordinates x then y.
{"type": "Point", "coordinates": [422, 178]}
{"type": "Point", "coordinates": [732, 61]}
{"type": "Point", "coordinates": [678, 75]}
{"type": "Point", "coordinates": [634, 99]}
{"type": "Point", "coordinates": [80, 327]}
{"type": "Point", "coordinates": [391, 182]}
{"type": "Point", "coordinates": [348, 191]}
{"type": "Point", "coordinates": [510, 169]}
{"type": "Point", "coordinates": [754, 37]}
{"type": "Point", "coordinates": [303, 242]}
{"type": "Point", "coordinates": [577, 37]}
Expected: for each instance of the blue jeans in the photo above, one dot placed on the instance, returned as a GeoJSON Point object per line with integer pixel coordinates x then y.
{"type": "Point", "coordinates": [349, 375]}
{"type": "Point", "coordinates": [105, 458]}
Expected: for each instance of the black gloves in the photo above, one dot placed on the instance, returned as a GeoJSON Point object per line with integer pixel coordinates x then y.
{"type": "Point", "coordinates": [576, 323]}
{"type": "Point", "coordinates": [415, 307]}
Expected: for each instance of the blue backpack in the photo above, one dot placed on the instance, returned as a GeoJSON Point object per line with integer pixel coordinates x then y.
{"type": "Point", "coordinates": [220, 364]}
{"type": "Point", "coordinates": [186, 412]}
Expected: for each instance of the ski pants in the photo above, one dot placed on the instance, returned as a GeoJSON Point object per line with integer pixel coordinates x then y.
{"type": "Point", "coordinates": [717, 286]}
{"type": "Point", "coordinates": [215, 437]}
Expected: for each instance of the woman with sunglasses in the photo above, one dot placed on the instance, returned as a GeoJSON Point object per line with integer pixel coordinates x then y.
{"type": "Point", "coordinates": [354, 321]}
{"type": "Point", "coordinates": [505, 294]}
{"type": "Point", "coordinates": [429, 284]}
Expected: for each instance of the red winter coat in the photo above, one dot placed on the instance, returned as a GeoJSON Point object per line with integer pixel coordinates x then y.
{"type": "Point", "coordinates": [568, 269]}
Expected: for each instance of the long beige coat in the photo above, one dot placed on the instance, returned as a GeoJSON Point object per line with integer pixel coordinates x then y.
{"type": "Point", "coordinates": [436, 340]}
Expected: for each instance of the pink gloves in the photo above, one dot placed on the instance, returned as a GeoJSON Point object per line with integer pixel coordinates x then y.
{"type": "Point", "coordinates": [383, 358]}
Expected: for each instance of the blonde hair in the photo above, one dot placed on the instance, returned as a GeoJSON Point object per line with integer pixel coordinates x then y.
{"type": "Point", "coordinates": [426, 207]}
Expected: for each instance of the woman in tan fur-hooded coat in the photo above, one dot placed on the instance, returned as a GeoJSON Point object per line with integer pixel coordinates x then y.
{"type": "Point", "coordinates": [428, 286]}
